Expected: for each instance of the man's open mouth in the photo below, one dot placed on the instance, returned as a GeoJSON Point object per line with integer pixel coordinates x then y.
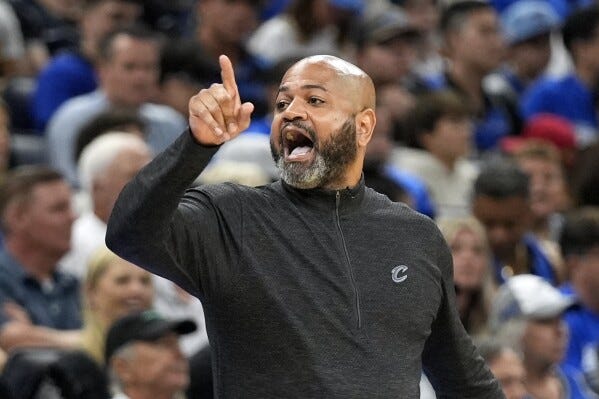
{"type": "Point", "coordinates": [297, 144]}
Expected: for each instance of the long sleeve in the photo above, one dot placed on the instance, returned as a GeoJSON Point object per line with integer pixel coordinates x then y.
{"type": "Point", "coordinates": [150, 225]}
{"type": "Point", "coordinates": [450, 359]}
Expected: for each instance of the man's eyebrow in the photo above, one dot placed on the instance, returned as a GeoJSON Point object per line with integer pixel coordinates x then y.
{"type": "Point", "coordinates": [304, 87]}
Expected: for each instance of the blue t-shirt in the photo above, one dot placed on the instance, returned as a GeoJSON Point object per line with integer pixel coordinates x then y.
{"type": "Point", "coordinates": [57, 306]}
{"type": "Point", "coordinates": [567, 97]}
{"type": "Point", "coordinates": [68, 75]}
{"type": "Point", "coordinates": [584, 330]}
{"type": "Point", "coordinates": [415, 187]}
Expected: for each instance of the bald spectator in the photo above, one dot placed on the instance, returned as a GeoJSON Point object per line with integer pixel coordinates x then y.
{"type": "Point", "coordinates": [129, 70]}
{"type": "Point", "coordinates": [39, 304]}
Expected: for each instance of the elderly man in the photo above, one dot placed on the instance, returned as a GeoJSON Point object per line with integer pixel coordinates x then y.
{"type": "Point", "coordinates": [144, 359]}
{"type": "Point", "coordinates": [39, 304]}
{"type": "Point", "coordinates": [313, 286]}
{"type": "Point", "coordinates": [105, 166]}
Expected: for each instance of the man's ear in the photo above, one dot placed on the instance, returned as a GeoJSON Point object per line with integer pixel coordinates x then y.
{"type": "Point", "coordinates": [365, 122]}
{"type": "Point", "coordinates": [15, 216]}
{"type": "Point", "coordinates": [122, 369]}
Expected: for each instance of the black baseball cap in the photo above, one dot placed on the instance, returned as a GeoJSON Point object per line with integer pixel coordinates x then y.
{"type": "Point", "coordinates": [144, 326]}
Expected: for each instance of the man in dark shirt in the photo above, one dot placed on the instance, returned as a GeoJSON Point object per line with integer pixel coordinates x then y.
{"type": "Point", "coordinates": [315, 285]}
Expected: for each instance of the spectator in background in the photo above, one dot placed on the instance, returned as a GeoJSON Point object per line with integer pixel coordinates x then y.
{"type": "Point", "coordinates": [105, 166]}
{"type": "Point", "coordinates": [184, 71]}
{"type": "Point", "coordinates": [7, 160]}
{"type": "Point", "coordinates": [590, 366]}
{"type": "Point", "coordinates": [144, 359]}
{"type": "Point", "coordinates": [40, 304]}
{"type": "Point", "coordinates": [586, 177]}
{"type": "Point", "coordinates": [307, 27]}
{"type": "Point", "coordinates": [552, 129]}
{"type": "Point", "coordinates": [440, 127]}
{"type": "Point", "coordinates": [111, 120]}
{"type": "Point", "coordinates": [12, 46]}
{"type": "Point", "coordinates": [573, 96]}
{"type": "Point", "coordinates": [223, 27]}
{"type": "Point", "coordinates": [386, 51]}
{"type": "Point", "coordinates": [387, 44]}
{"type": "Point", "coordinates": [580, 246]}
{"type": "Point", "coordinates": [129, 72]}
{"type": "Point", "coordinates": [424, 15]}
{"type": "Point", "coordinates": [48, 27]}
{"type": "Point", "coordinates": [501, 202]}
{"type": "Point", "coordinates": [73, 73]}
{"type": "Point", "coordinates": [379, 169]}
{"type": "Point", "coordinates": [527, 313]}
{"type": "Point", "coordinates": [472, 275]}
{"type": "Point", "coordinates": [549, 194]}
{"type": "Point", "coordinates": [473, 44]}
{"type": "Point", "coordinates": [507, 366]}
{"type": "Point", "coordinates": [113, 288]}
{"type": "Point", "coordinates": [527, 27]}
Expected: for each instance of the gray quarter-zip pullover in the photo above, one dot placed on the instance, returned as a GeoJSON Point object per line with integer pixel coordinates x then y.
{"type": "Point", "coordinates": [307, 293]}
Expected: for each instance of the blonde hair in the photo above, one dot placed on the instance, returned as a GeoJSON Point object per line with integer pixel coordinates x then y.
{"type": "Point", "coordinates": [94, 330]}
{"type": "Point", "coordinates": [479, 311]}
{"type": "Point", "coordinates": [450, 227]}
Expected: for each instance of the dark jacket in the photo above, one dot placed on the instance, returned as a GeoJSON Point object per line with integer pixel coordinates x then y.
{"type": "Point", "coordinates": [307, 293]}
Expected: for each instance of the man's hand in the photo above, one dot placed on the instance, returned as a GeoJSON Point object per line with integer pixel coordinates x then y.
{"type": "Point", "coordinates": [216, 114]}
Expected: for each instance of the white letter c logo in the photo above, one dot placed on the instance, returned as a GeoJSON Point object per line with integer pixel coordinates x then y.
{"type": "Point", "coordinates": [395, 273]}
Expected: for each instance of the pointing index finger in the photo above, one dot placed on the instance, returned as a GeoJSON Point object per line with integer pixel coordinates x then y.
{"type": "Point", "coordinates": [228, 75]}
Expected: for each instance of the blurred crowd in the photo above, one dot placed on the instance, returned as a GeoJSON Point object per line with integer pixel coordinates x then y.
{"type": "Point", "coordinates": [487, 122]}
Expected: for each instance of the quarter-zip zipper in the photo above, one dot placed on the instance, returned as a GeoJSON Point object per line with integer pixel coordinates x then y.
{"type": "Point", "coordinates": [348, 261]}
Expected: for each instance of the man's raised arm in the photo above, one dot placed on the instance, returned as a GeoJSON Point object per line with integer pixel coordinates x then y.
{"type": "Point", "coordinates": [146, 226]}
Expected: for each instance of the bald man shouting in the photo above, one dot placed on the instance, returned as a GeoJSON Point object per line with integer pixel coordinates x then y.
{"type": "Point", "coordinates": [314, 286]}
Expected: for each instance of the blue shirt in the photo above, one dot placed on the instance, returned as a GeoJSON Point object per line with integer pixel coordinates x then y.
{"type": "Point", "coordinates": [583, 326]}
{"type": "Point", "coordinates": [67, 75]}
{"type": "Point", "coordinates": [415, 187]}
{"type": "Point", "coordinates": [567, 97]}
{"type": "Point", "coordinates": [57, 307]}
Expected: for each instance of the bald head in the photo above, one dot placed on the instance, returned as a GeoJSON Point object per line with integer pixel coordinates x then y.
{"type": "Point", "coordinates": [353, 81]}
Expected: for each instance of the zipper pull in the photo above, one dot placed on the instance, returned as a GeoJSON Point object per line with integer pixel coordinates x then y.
{"type": "Point", "coordinates": [337, 197]}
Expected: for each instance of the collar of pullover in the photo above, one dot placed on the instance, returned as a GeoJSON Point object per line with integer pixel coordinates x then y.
{"type": "Point", "coordinates": [348, 199]}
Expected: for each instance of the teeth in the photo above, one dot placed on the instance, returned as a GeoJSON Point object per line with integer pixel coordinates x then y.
{"type": "Point", "coordinates": [289, 136]}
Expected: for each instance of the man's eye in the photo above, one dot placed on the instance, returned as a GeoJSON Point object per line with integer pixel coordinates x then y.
{"type": "Point", "coordinates": [315, 101]}
{"type": "Point", "coordinates": [281, 105]}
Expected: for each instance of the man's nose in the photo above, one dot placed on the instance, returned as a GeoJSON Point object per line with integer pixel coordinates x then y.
{"type": "Point", "coordinates": [294, 111]}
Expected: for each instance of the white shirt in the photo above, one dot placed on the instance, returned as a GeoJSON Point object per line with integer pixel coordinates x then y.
{"type": "Point", "coordinates": [450, 189]}
{"type": "Point", "coordinates": [278, 38]}
{"type": "Point", "coordinates": [87, 236]}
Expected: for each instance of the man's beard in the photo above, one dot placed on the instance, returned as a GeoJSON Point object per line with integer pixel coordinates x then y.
{"type": "Point", "coordinates": [330, 161]}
